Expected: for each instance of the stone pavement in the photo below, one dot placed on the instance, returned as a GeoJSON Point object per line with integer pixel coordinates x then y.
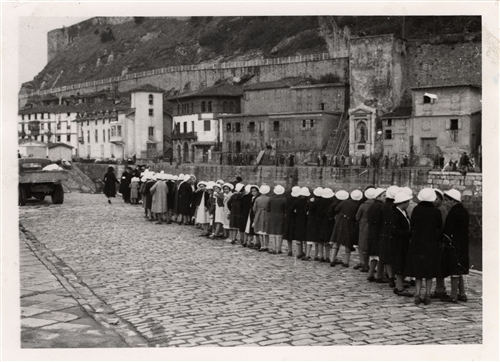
{"type": "Point", "coordinates": [174, 288]}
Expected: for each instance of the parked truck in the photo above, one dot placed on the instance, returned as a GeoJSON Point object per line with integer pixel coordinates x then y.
{"type": "Point", "coordinates": [34, 182]}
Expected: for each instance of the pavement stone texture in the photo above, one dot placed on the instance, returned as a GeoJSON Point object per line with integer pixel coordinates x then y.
{"type": "Point", "coordinates": [165, 286]}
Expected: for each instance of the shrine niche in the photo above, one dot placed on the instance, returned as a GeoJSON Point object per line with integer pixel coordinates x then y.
{"type": "Point", "coordinates": [361, 131]}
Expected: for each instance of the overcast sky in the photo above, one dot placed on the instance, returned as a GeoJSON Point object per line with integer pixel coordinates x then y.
{"type": "Point", "coordinates": [33, 42]}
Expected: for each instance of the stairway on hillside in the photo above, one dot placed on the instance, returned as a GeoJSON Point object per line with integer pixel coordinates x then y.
{"type": "Point", "coordinates": [78, 181]}
{"type": "Point", "coordinates": [338, 142]}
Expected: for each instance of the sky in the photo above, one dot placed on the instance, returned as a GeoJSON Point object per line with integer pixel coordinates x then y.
{"type": "Point", "coordinates": [33, 42]}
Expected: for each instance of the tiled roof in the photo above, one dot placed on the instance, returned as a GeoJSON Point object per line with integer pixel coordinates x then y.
{"type": "Point", "coordinates": [282, 83]}
{"type": "Point", "coordinates": [81, 107]}
{"type": "Point", "coordinates": [220, 90]}
{"type": "Point", "coordinates": [398, 112]}
{"type": "Point", "coordinates": [147, 88]}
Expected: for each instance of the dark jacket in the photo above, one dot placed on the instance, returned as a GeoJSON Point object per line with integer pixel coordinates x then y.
{"type": "Point", "coordinates": [400, 235]}
{"type": "Point", "coordinates": [319, 219]}
{"type": "Point", "coordinates": [237, 218]}
{"type": "Point", "coordinates": [185, 199]}
{"type": "Point", "coordinates": [329, 222]}
{"type": "Point", "coordinates": [147, 193]}
{"type": "Point", "coordinates": [276, 208]}
{"type": "Point", "coordinates": [455, 258]}
{"type": "Point", "coordinates": [374, 217]}
{"type": "Point", "coordinates": [312, 207]}
{"type": "Point", "coordinates": [300, 211]}
{"type": "Point", "coordinates": [385, 232]}
{"type": "Point", "coordinates": [426, 227]}
{"type": "Point", "coordinates": [345, 222]}
{"type": "Point", "coordinates": [289, 225]}
{"type": "Point", "coordinates": [110, 182]}
{"type": "Point", "coordinates": [246, 206]}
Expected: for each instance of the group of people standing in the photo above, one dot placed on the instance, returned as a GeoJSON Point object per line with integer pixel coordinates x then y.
{"type": "Point", "coordinates": [396, 237]}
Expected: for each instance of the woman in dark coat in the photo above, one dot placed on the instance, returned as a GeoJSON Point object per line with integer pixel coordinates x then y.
{"type": "Point", "coordinates": [236, 217]}
{"type": "Point", "coordinates": [300, 211]}
{"type": "Point", "coordinates": [125, 184]}
{"type": "Point", "coordinates": [249, 231]}
{"type": "Point", "coordinates": [170, 199]}
{"type": "Point", "coordinates": [328, 226]}
{"type": "Point", "coordinates": [276, 208]}
{"type": "Point", "coordinates": [110, 183]}
{"type": "Point", "coordinates": [374, 218]}
{"type": "Point", "coordinates": [289, 225]}
{"type": "Point", "coordinates": [185, 200]}
{"type": "Point", "coordinates": [426, 227]}
{"type": "Point", "coordinates": [455, 258]}
{"type": "Point", "coordinates": [149, 197]}
{"type": "Point", "coordinates": [345, 222]}
{"type": "Point", "coordinates": [311, 220]}
{"type": "Point", "coordinates": [245, 207]}
{"type": "Point", "coordinates": [385, 245]}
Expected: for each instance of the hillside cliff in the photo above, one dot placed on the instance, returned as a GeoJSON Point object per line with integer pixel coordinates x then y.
{"type": "Point", "coordinates": [105, 47]}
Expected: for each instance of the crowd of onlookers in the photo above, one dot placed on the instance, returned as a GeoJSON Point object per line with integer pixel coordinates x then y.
{"type": "Point", "coordinates": [397, 235]}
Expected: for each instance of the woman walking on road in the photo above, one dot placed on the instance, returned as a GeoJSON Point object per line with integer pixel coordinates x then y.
{"type": "Point", "coordinates": [159, 204]}
{"type": "Point", "coordinates": [110, 183]}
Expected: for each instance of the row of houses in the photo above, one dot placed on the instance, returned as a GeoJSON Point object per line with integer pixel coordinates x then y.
{"type": "Point", "coordinates": [288, 116]}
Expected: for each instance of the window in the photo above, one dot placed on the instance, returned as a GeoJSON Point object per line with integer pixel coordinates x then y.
{"type": "Point", "coordinates": [48, 126]}
{"type": "Point", "coordinates": [41, 125]}
{"type": "Point", "coordinates": [388, 134]}
{"type": "Point", "coordinates": [238, 146]}
{"type": "Point", "coordinates": [42, 139]}
{"type": "Point", "coordinates": [109, 133]}
{"type": "Point", "coordinates": [22, 117]}
{"type": "Point", "coordinates": [104, 135]}
{"type": "Point", "coordinates": [453, 124]}
{"type": "Point", "coordinates": [35, 115]}
{"type": "Point", "coordinates": [150, 112]}
{"type": "Point", "coordinates": [96, 136]}
{"type": "Point", "coordinates": [192, 108]}
{"type": "Point", "coordinates": [206, 126]}
{"type": "Point", "coordinates": [151, 131]}
{"type": "Point", "coordinates": [179, 109]}
{"type": "Point", "coordinates": [231, 107]}
{"type": "Point", "coordinates": [389, 122]}
{"type": "Point", "coordinates": [251, 127]}
{"type": "Point", "coordinates": [113, 131]}
{"type": "Point", "coordinates": [96, 121]}
{"type": "Point", "coordinates": [210, 106]}
{"type": "Point", "coordinates": [58, 125]}
{"type": "Point", "coordinates": [307, 124]}
{"type": "Point", "coordinates": [177, 128]}
{"type": "Point", "coordinates": [203, 107]}
{"type": "Point", "coordinates": [322, 106]}
{"type": "Point", "coordinates": [276, 126]}
{"type": "Point", "coordinates": [58, 138]}
{"type": "Point", "coordinates": [29, 117]}
{"type": "Point", "coordinates": [224, 107]}
{"type": "Point", "coordinates": [427, 99]}
{"type": "Point", "coordinates": [41, 115]}
{"type": "Point", "coordinates": [237, 127]}
{"type": "Point", "coordinates": [119, 131]}
{"type": "Point", "coordinates": [87, 123]}
{"type": "Point", "coordinates": [185, 127]}
{"type": "Point", "coordinates": [68, 138]}
{"type": "Point", "coordinates": [228, 127]}
{"type": "Point", "coordinates": [68, 114]}
{"type": "Point", "coordinates": [88, 136]}
{"type": "Point", "coordinates": [151, 99]}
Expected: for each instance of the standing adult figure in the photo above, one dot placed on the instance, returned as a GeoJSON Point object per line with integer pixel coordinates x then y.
{"type": "Point", "coordinates": [276, 211]}
{"type": "Point", "coordinates": [159, 202]}
{"type": "Point", "coordinates": [328, 226]}
{"type": "Point", "coordinates": [249, 230]}
{"type": "Point", "coordinates": [385, 245]}
{"type": "Point", "coordinates": [362, 220]}
{"type": "Point", "coordinates": [300, 210]}
{"type": "Point", "coordinates": [289, 225]}
{"type": "Point", "coordinates": [312, 233]}
{"type": "Point", "coordinates": [125, 184]}
{"type": "Point", "coordinates": [455, 259]}
{"type": "Point", "coordinates": [185, 200]}
{"type": "Point", "coordinates": [319, 221]}
{"type": "Point", "coordinates": [110, 183]}
{"type": "Point", "coordinates": [426, 234]}
{"type": "Point", "coordinates": [201, 214]}
{"type": "Point", "coordinates": [246, 206]}
{"type": "Point", "coordinates": [236, 219]}
{"type": "Point", "coordinates": [374, 226]}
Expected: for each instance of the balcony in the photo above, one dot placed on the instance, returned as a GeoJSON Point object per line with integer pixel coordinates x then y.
{"type": "Point", "coordinates": [81, 140]}
{"type": "Point", "coordinates": [116, 139]}
{"type": "Point", "coordinates": [185, 136]}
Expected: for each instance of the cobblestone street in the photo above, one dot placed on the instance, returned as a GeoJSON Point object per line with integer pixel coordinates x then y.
{"type": "Point", "coordinates": [163, 285]}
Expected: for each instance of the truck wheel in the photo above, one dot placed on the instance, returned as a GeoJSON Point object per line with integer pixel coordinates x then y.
{"type": "Point", "coordinates": [58, 194]}
{"type": "Point", "coordinates": [22, 196]}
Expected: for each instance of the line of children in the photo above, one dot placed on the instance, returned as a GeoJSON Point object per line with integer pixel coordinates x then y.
{"type": "Point", "coordinates": [395, 237]}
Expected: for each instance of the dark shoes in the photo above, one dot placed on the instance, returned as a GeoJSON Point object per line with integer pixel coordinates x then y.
{"type": "Point", "coordinates": [358, 266]}
{"type": "Point", "coordinates": [316, 259]}
{"type": "Point", "coordinates": [403, 292]}
{"type": "Point", "coordinates": [345, 265]}
{"type": "Point", "coordinates": [371, 279]}
{"type": "Point", "coordinates": [392, 283]}
{"type": "Point", "coordinates": [290, 253]}
{"type": "Point", "coordinates": [382, 280]}
{"type": "Point", "coordinates": [307, 258]}
{"type": "Point", "coordinates": [449, 299]}
{"type": "Point", "coordinates": [427, 300]}
{"type": "Point", "coordinates": [417, 300]}
{"type": "Point", "coordinates": [439, 295]}
{"type": "Point", "coordinates": [462, 297]}
{"type": "Point", "coordinates": [364, 270]}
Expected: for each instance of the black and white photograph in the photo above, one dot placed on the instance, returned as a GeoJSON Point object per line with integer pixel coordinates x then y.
{"type": "Point", "coordinates": [303, 180]}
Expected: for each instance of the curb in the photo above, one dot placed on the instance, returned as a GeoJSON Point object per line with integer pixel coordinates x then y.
{"type": "Point", "coordinates": [125, 330]}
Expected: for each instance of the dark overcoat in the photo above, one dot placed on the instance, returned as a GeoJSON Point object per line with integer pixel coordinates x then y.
{"type": "Point", "coordinates": [300, 211]}
{"type": "Point", "coordinates": [455, 258]}
{"type": "Point", "coordinates": [345, 222]}
{"type": "Point", "coordinates": [246, 206]}
{"type": "Point", "coordinates": [312, 207]}
{"type": "Point", "coordinates": [171, 194]}
{"type": "Point", "coordinates": [329, 222]}
{"type": "Point", "coordinates": [289, 225]}
{"type": "Point", "coordinates": [426, 234]}
{"type": "Point", "coordinates": [374, 216]}
{"type": "Point", "coordinates": [276, 209]}
{"type": "Point", "coordinates": [385, 254]}
{"type": "Point", "coordinates": [185, 199]}
{"type": "Point", "coordinates": [236, 218]}
{"type": "Point", "coordinates": [148, 194]}
{"type": "Point", "coordinates": [125, 185]}
{"type": "Point", "coordinates": [319, 219]}
{"type": "Point", "coordinates": [399, 240]}
{"type": "Point", "coordinates": [110, 182]}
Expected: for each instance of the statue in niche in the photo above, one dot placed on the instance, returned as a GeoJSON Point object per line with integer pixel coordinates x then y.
{"type": "Point", "coordinates": [361, 132]}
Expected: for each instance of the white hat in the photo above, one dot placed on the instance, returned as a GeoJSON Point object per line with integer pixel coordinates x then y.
{"type": "Point", "coordinates": [210, 185]}
{"type": "Point", "coordinates": [427, 194]}
{"type": "Point", "coordinates": [402, 196]}
{"type": "Point", "coordinates": [221, 182]}
{"type": "Point", "coordinates": [278, 190]}
{"type": "Point", "coordinates": [254, 187]}
{"type": "Point", "coordinates": [187, 177]}
{"type": "Point", "coordinates": [454, 194]}
{"type": "Point", "coordinates": [181, 176]}
{"type": "Point", "coordinates": [378, 191]}
{"type": "Point", "coordinates": [247, 188]}
{"type": "Point", "coordinates": [217, 185]}
{"type": "Point", "coordinates": [162, 172]}
{"type": "Point", "coordinates": [356, 195]}
{"type": "Point", "coordinates": [193, 176]}
{"type": "Point", "coordinates": [155, 177]}
{"type": "Point", "coordinates": [392, 191]}
{"type": "Point", "coordinates": [295, 191]}
{"type": "Point", "coordinates": [318, 191]}
{"type": "Point", "coordinates": [438, 191]}
{"type": "Point", "coordinates": [264, 189]}
{"type": "Point", "coordinates": [227, 184]}
{"type": "Point", "coordinates": [407, 190]}
{"type": "Point", "coordinates": [342, 195]}
{"type": "Point", "coordinates": [370, 193]}
{"type": "Point", "coordinates": [327, 193]}
{"type": "Point", "coordinates": [304, 191]}
{"type": "Point", "coordinates": [238, 187]}
{"type": "Point", "coordinates": [175, 177]}
{"type": "Point", "coordinates": [202, 183]}
{"type": "Point", "coordinates": [144, 179]}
